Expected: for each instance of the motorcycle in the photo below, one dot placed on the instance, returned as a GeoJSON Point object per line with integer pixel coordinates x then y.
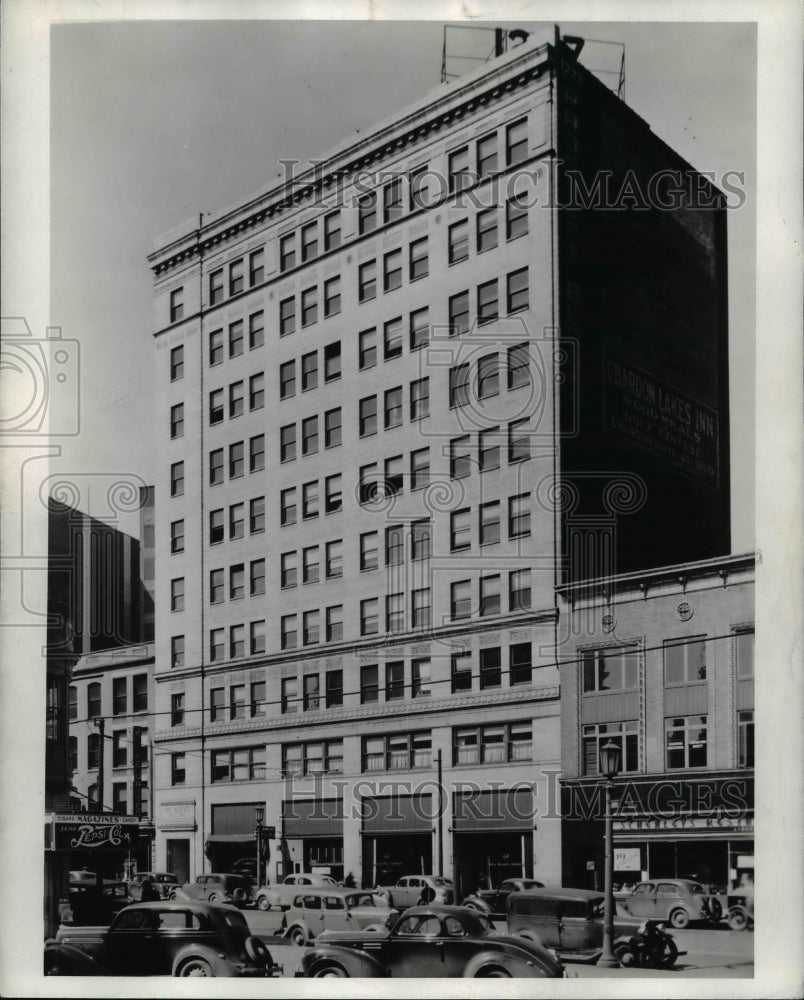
{"type": "Point", "coordinates": [651, 945]}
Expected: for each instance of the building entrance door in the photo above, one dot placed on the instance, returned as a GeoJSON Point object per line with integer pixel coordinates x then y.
{"type": "Point", "coordinates": [178, 859]}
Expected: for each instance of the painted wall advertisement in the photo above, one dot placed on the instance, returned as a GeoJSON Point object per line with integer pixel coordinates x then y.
{"type": "Point", "coordinates": [648, 413]}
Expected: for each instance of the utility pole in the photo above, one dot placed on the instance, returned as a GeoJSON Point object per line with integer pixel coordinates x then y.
{"type": "Point", "coordinates": [101, 724]}
{"type": "Point", "coordinates": [440, 815]}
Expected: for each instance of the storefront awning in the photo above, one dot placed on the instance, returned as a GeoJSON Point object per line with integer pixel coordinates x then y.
{"type": "Point", "coordinates": [231, 838]}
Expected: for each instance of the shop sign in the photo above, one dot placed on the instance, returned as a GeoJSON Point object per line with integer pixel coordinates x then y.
{"type": "Point", "coordinates": [716, 822]}
{"type": "Point", "coordinates": [79, 831]}
{"type": "Point", "coordinates": [627, 859]}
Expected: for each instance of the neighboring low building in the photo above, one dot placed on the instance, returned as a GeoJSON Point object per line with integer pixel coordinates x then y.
{"type": "Point", "coordinates": [662, 663]}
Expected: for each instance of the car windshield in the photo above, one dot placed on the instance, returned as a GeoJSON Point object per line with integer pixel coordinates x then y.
{"type": "Point", "coordinates": [696, 888]}
{"type": "Point", "coordinates": [487, 927]}
{"type": "Point", "coordinates": [360, 899]}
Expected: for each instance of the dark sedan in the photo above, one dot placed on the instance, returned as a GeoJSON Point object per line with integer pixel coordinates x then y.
{"type": "Point", "coordinates": [432, 942]}
{"type": "Point", "coordinates": [493, 900]}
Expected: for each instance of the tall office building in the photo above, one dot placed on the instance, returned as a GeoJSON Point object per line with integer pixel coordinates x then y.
{"type": "Point", "coordinates": [400, 398]}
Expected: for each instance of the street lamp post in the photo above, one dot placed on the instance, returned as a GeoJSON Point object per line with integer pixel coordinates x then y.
{"type": "Point", "coordinates": [609, 766]}
{"type": "Point", "coordinates": [259, 816]}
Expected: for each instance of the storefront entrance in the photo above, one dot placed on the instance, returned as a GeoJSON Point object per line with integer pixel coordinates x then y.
{"type": "Point", "coordinates": [483, 861]}
{"type": "Point", "coordinates": [387, 857]}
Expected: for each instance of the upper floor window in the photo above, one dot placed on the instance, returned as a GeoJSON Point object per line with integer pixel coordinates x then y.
{"type": "Point", "coordinates": [256, 266]}
{"type": "Point", "coordinates": [239, 764]}
{"type": "Point", "coordinates": [487, 155]}
{"type": "Point", "coordinates": [516, 142]}
{"type": "Point", "coordinates": [419, 261]}
{"type": "Point", "coordinates": [367, 213]}
{"type": "Point", "coordinates": [685, 661]}
{"type": "Point", "coordinates": [744, 653]}
{"type": "Point", "coordinates": [177, 420]}
{"type": "Point", "coordinates": [236, 277]}
{"type": "Point", "coordinates": [610, 669]}
{"type": "Point", "coordinates": [392, 200]}
{"type": "Point", "coordinates": [332, 231]}
{"type": "Point", "coordinates": [216, 286]}
{"type": "Point", "coordinates": [398, 752]}
{"type": "Point", "coordinates": [176, 305]}
{"type": "Point", "coordinates": [622, 734]}
{"type": "Point", "coordinates": [367, 281]}
{"type": "Point", "coordinates": [494, 744]}
{"type": "Point", "coordinates": [93, 700]}
{"type": "Point", "coordinates": [287, 252]}
{"type": "Point", "coordinates": [685, 742]}
{"type": "Point", "coordinates": [458, 169]}
{"type": "Point", "coordinates": [176, 363]}
{"type": "Point", "coordinates": [309, 241]}
{"type": "Point", "coordinates": [516, 219]}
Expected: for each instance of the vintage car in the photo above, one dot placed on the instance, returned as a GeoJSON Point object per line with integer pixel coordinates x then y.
{"type": "Point", "coordinates": [334, 909]}
{"type": "Point", "coordinates": [162, 939]}
{"type": "Point", "coordinates": [570, 921]}
{"type": "Point", "coordinates": [740, 915]}
{"type": "Point", "coordinates": [89, 906]}
{"type": "Point", "coordinates": [279, 896]}
{"type": "Point", "coordinates": [677, 900]}
{"type": "Point", "coordinates": [410, 890]}
{"type": "Point", "coordinates": [218, 888]}
{"type": "Point", "coordinates": [493, 900]}
{"type": "Point", "coordinates": [429, 941]}
{"type": "Point", "coordinates": [163, 882]}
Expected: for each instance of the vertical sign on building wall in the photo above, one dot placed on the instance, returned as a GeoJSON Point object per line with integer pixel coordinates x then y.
{"type": "Point", "coordinates": [139, 760]}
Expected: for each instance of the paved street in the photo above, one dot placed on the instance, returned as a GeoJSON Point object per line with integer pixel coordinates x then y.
{"type": "Point", "coordinates": [711, 954]}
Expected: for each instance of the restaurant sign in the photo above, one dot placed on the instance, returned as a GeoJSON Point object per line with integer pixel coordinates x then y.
{"type": "Point", "coordinates": [94, 831]}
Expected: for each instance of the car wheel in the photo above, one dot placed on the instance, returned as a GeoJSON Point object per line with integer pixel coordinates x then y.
{"type": "Point", "coordinates": [298, 936]}
{"type": "Point", "coordinates": [263, 903]}
{"type": "Point", "coordinates": [257, 950]}
{"type": "Point", "coordinates": [738, 921]}
{"type": "Point", "coordinates": [57, 965]}
{"type": "Point", "coordinates": [626, 956]}
{"type": "Point", "coordinates": [195, 967]}
{"type": "Point", "coordinates": [679, 919]}
{"type": "Point", "coordinates": [172, 893]}
{"type": "Point", "coordinates": [667, 956]}
{"type": "Point", "coordinates": [215, 898]}
{"type": "Point", "coordinates": [331, 970]}
{"type": "Point", "coordinates": [492, 972]}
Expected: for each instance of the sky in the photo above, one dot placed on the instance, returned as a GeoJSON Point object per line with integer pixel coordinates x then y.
{"type": "Point", "coordinates": [152, 123]}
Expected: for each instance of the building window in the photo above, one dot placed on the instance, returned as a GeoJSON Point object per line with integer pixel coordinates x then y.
{"type": "Point", "coordinates": [310, 629]}
{"type": "Point", "coordinates": [93, 751]}
{"type": "Point", "coordinates": [287, 571]}
{"type": "Point", "coordinates": [216, 287]}
{"type": "Point", "coordinates": [458, 237]}
{"type": "Point", "coordinates": [216, 586]}
{"type": "Point", "coordinates": [392, 200]}
{"type": "Point", "coordinates": [419, 399]}
{"type": "Point", "coordinates": [287, 379]}
{"type": "Point", "coordinates": [235, 400]}
{"type": "Point", "coordinates": [458, 170]}
{"type": "Point", "coordinates": [256, 267]}
{"type": "Point", "coordinates": [237, 463]}
{"type": "Point", "coordinates": [334, 688]}
{"type": "Point", "coordinates": [287, 252]}
{"type": "Point", "coordinates": [310, 436]}
{"type": "Point", "coordinates": [460, 529]}
{"type": "Point", "coordinates": [458, 314]}
{"type": "Point", "coordinates": [73, 752]}
{"type": "Point", "coordinates": [215, 526]}
{"type": "Point", "coordinates": [461, 599]}
{"type": "Point", "coordinates": [518, 366]}
{"type": "Point", "coordinates": [369, 558]}
{"type": "Point", "coordinates": [309, 241]}
{"type": "Point", "coordinates": [461, 672]}
{"type": "Point", "coordinates": [520, 665]}
{"type": "Point", "coordinates": [287, 509]}
{"type": "Point", "coordinates": [119, 697]}
{"type": "Point", "coordinates": [394, 475]}
{"type": "Point", "coordinates": [486, 230]}
{"type": "Point", "coordinates": [289, 634]}
{"type": "Point", "coordinates": [460, 463]}
{"type": "Point", "coordinates": [177, 420]}
{"type": "Point", "coordinates": [392, 339]}
{"type": "Point", "coordinates": [257, 515]}
{"type": "Point", "coordinates": [419, 468]}
{"type": "Point", "coordinates": [257, 577]}
{"type": "Point", "coordinates": [176, 363]}
{"type": "Point", "coordinates": [518, 441]}
{"type": "Point", "coordinates": [177, 536]}
{"type": "Point", "coordinates": [333, 559]}
{"type": "Point", "coordinates": [216, 412]}
{"type": "Point", "coordinates": [177, 479]}
{"type": "Point", "coordinates": [487, 155]}
{"type": "Point", "coordinates": [140, 693]}
{"type": "Point", "coordinates": [216, 704]}
{"type": "Point", "coordinates": [623, 734]}
{"type": "Point", "coordinates": [368, 485]}
{"type": "Point", "coordinates": [419, 262]}
{"type": "Point", "coordinates": [517, 290]}
{"type": "Point", "coordinates": [237, 520]}
{"type": "Point", "coordinates": [459, 385]}
{"type": "Point", "coordinates": [177, 709]}
{"type": "Point", "coordinates": [490, 595]}
{"type": "Point", "coordinates": [367, 213]}
{"type": "Point", "coordinates": [325, 757]}
{"type": "Point", "coordinates": [177, 651]}
{"type": "Point", "coordinates": [367, 281]}
{"type": "Point", "coordinates": [240, 764]}
{"type": "Point", "coordinates": [332, 231]}
{"type": "Point", "coordinates": [367, 413]}
{"type": "Point", "coordinates": [744, 653]}
{"type": "Point", "coordinates": [332, 428]}
{"type": "Point", "coordinates": [419, 328]}
{"type": "Point", "coordinates": [685, 742]}
{"type": "Point", "coordinates": [236, 277]}
{"type": "Point", "coordinates": [334, 623]}
{"type": "Point", "coordinates": [490, 523]}
{"type": "Point", "coordinates": [72, 702]}
{"type": "Point", "coordinates": [488, 376]}
{"type": "Point", "coordinates": [369, 616]}
{"type": "Point", "coordinates": [516, 219]}
{"type": "Point", "coordinates": [217, 647]}
{"type": "Point", "coordinates": [256, 391]}
{"type": "Point", "coordinates": [256, 330]}
{"type": "Point", "coordinates": [487, 302]}
{"type": "Point", "coordinates": [496, 744]}
{"type": "Point", "coordinates": [489, 449]}
{"type": "Point", "coordinates": [177, 594]}
{"type": "Point", "coordinates": [519, 590]}
{"type": "Point", "coordinates": [490, 668]}
{"type": "Point", "coordinates": [216, 347]}
{"type": "Point", "coordinates": [367, 349]}
{"type": "Point", "coordinates": [287, 316]}
{"type": "Point", "coordinates": [236, 339]}
{"type": "Point", "coordinates": [685, 661]}
{"type": "Point", "coordinates": [420, 539]}
{"type": "Point", "coordinates": [610, 669]}
{"type": "Point", "coordinates": [257, 700]}
{"type": "Point", "coordinates": [421, 614]}
{"type": "Point", "coordinates": [119, 748]}
{"type": "Point", "coordinates": [394, 545]}
{"type": "Point", "coordinates": [176, 305]}
{"type": "Point", "coordinates": [745, 739]}
{"type": "Point", "coordinates": [309, 306]}
{"type": "Point", "coordinates": [332, 296]}
{"type": "Point", "coordinates": [333, 498]}
{"type": "Point", "coordinates": [237, 692]}
{"type": "Point", "coordinates": [393, 407]}
{"type": "Point", "coordinates": [395, 613]}
{"type": "Point", "coordinates": [310, 564]}
{"type": "Point", "coordinates": [398, 752]}
{"type": "Point", "coordinates": [369, 684]}
{"type": "Point", "coordinates": [237, 582]}
{"type": "Point", "coordinates": [332, 361]}
{"type": "Point", "coordinates": [177, 765]}
{"type": "Point", "coordinates": [516, 142]}
{"type": "Point", "coordinates": [216, 467]}
{"type": "Point", "coordinates": [287, 443]}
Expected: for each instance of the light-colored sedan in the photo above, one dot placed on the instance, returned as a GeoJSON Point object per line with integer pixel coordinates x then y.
{"type": "Point", "coordinates": [279, 896]}
{"type": "Point", "coordinates": [678, 900]}
{"type": "Point", "coordinates": [334, 909]}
